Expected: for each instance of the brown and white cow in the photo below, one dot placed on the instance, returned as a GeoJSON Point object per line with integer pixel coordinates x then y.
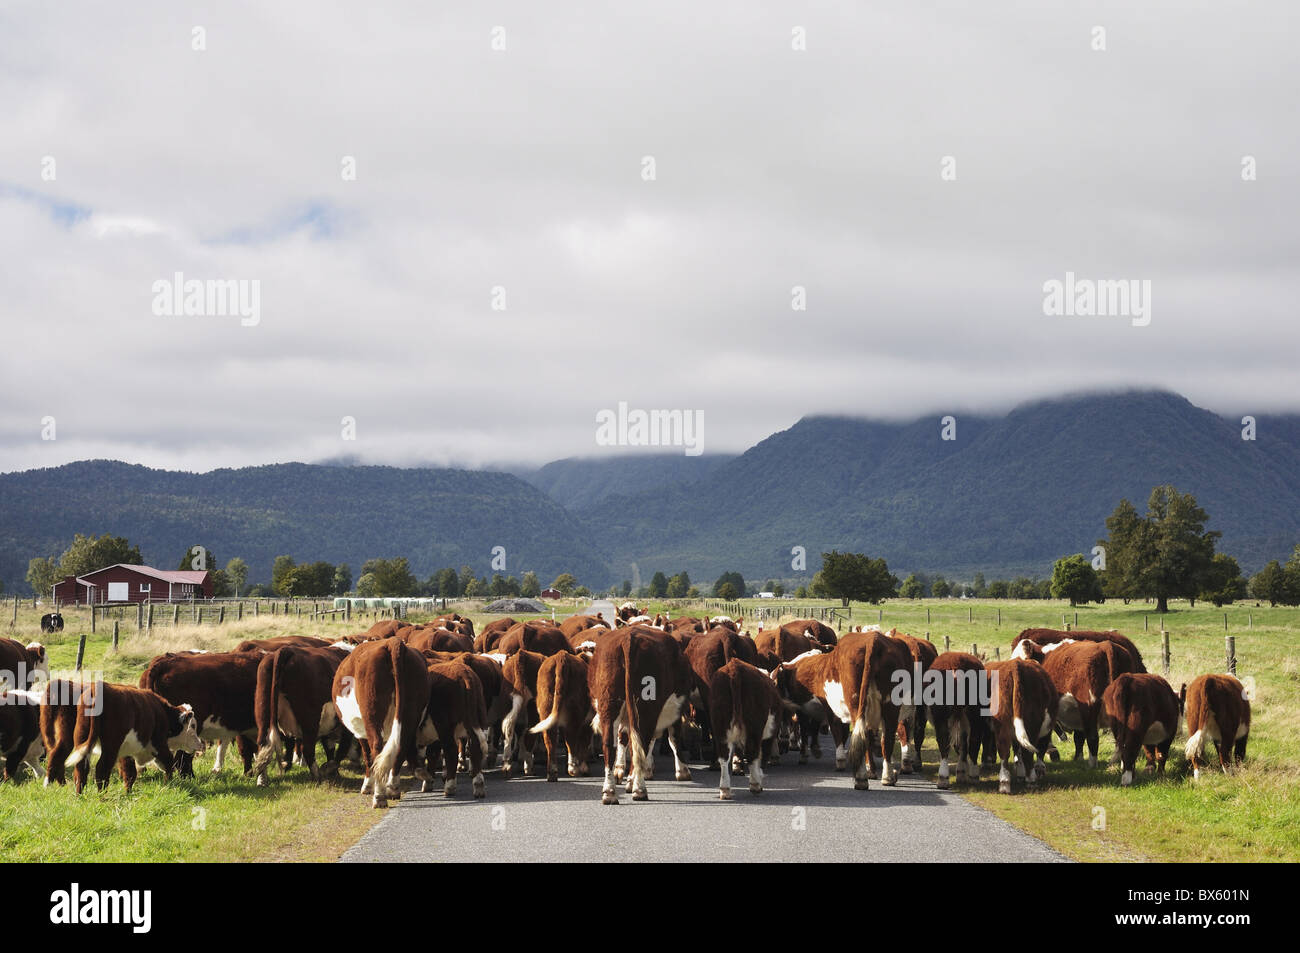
{"type": "Point", "coordinates": [778, 645]}
{"type": "Point", "coordinates": [958, 720]}
{"type": "Point", "coordinates": [638, 679]}
{"type": "Point", "coordinates": [490, 634]}
{"type": "Point", "coordinates": [280, 641]}
{"type": "Point", "coordinates": [1081, 671]}
{"type": "Point", "coordinates": [626, 611]}
{"type": "Point", "coordinates": [746, 715]}
{"type": "Point", "coordinates": [58, 722]}
{"type": "Point", "coordinates": [706, 654]}
{"type": "Point", "coordinates": [456, 714]}
{"type": "Point", "coordinates": [799, 682]}
{"type": "Point", "coordinates": [129, 726]}
{"type": "Point", "coordinates": [542, 636]}
{"type": "Point", "coordinates": [519, 672]}
{"type": "Point", "coordinates": [1144, 713]}
{"type": "Point", "coordinates": [578, 623]}
{"type": "Point", "coordinates": [1219, 711]}
{"type": "Point", "coordinates": [1046, 637]}
{"type": "Point", "coordinates": [381, 693]}
{"type": "Point", "coordinates": [1026, 703]}
{"type": "Point", "coordinates": [438, 640]}
{"type": "Point", "coordinates": [21, 666]}
{"type": "Point", "coordinates": [220, 687]}
{"type": "Point", "coordinates": [813, 629]}
{"type": "Point", "coordinates": [912, 715]}
{"type": "Point", "coordinates": [564, 703]}
{"type": "Point", "coordinates": [20, 730]}
{"type": "Point", "coordinates": [294, 698]}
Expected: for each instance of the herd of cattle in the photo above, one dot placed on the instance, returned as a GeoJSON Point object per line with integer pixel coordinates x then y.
{"type": "Point", "coordinates": [440, 696]}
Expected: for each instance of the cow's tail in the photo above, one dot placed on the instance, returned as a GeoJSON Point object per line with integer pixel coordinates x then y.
{"type": "Point", "coordinates": [737, 714]}
{"type": "Point", "coordinates": [549, 720]}
{"type": "Point", "coordinates": [82, 751]}
{"type": "Point", "coordinates": [267, 709]}
{"type": "Point", "coordinates": [1195, 747]}
{"type": "Point", "coordinates": [860, 728]}
{"type": "Point", "coordinates": [384, 762]}
{"type": "Point", "coordinates": [1018, 717]}
{"type": "Point", "coordinates": [630, 690]}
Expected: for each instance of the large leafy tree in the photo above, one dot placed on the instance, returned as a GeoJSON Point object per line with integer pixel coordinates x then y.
{"type": "Point", "coordinates": [857, 576]}
{"type": "Point", "coordinates": [1223, 584]}
{"type": "Point", "coordinates": [1167, 554]}
{"type": "Point", "coordinates": [737, 584]}
{"type": "Point", "coordinates": [912, 588]}
{"type": "Point", "coordinates": [565, 582]}
{"type": "Point", "coordinates": [941, 588]}
{"type": "Point", "coordinates": [342, 578]}
{"type": "Point", "coordinates": [658, 586]}
{"type": "Point", "coordinates": [1073, 578]}
{"type": "Point", "coordinates": [531, 587]}
{"type": "Point", "coordinates": [281, 572]}
{"type": "Point", "coordinates": [88, 553]}
{"type": "Point", "coordinates": [43, 573]}
{"type": "Point", "coordinates": [392, 577]}
{"type": "Point", "coordinates": [679, 585]}
{"type": "Point", "coordinates": [237, 573]}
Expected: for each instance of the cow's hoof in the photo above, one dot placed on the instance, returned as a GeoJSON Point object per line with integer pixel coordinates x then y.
{"type": "Point", "coordinates": [423, 774]}
{"type": "Point", "coordinates": [684, 774]}
{"type": "Point", "coordinates": [840, 765]}
{"type": "Point", "coordinates": [379, 802]}
{"type": "Point", "coordinates": [553, 776]}
{"type": "Point", "coordinates": [1004, 787]}
{"type": "Point", "coordinates": [641, 795]}
{"type": "Point", "coordinates": [449, 789]}
{"type": "Point", "coordinates": [942, 784]}
{"type": "Point", "coordinates": [609, 797]}
{"type": "Point", "coordinates": [756, 789]}
{"type": "Point", "coordinates": [724, 794]}
{"type": "Point", "coordinates": [861, 784]}
{"type": "Point", "coordinates": [890, 781]}
{"type": "Point", "coordinates": [330, 769]}
{"type": "Point", "coordinates": [1040, 771]}
{"type": "Point", "coordinates": [1054, 755]}
{"type": "Point", "coordinates": [261, 780]}
{"type": "Point", "coordinates": [506, 770]}
{"type": "Point", "coordinates": [426, 786]}
{"type": "Point", "coordinates": [906, 768]}
{"type": "Point", "coordinates": [480, 788]}
{"type": "Point", "coordinates": [817, 753]}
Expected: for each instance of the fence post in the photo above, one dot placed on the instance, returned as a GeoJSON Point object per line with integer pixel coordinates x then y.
{"type": "Point", "coordinates": [199, 619]}
{"type": "Point", "coordinates": [221, 615]}
{"type": "Point", "coordinates": [997, 652]}
{"type": "Point", "coordinates": [1164, 651]}
{"type": "Point", "coordinates": [927, 635]}
{"type": "Point", "coordinates": [15, 621]}
{"type": "Point", "coordinates": [975, 649]}
{"type": "Point", "coordinates": [150, 617]}
{"type": "Point", "coordinates": [947, 644]}
{"type": "Point", "coordinates": [970, 614]}
{"type": "Point", "coordinates": [92, 622]}
{"type": "Point", "coordinates": [927, 615]}
{"type": "Point", "coordinates": [1250, 620]}
{"type": "Point", "coordinates": [81, 650]}
{"type": "Point", "coordinates": [1225, 622]}
{"type": "Point", "coordinates": [1076, 620]}
{"type": "Point", "coordinates": [1145, 619]}
{"type": "Point", "coordinates": [139, 616]}
{"type": "Point", "coordinates": [999, 616]}
{"type": "Point", "coordinates": [1230, 644]}
{"type": "Point", "coordinates": [114, 637]}
{"type": "Point", "coordinates": [176, 615]}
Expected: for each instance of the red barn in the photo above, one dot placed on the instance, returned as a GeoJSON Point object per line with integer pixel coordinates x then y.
{"type": "Point", "coordinates": [127, 583]}
{"type": "Point", "coordinates": [552, 594]}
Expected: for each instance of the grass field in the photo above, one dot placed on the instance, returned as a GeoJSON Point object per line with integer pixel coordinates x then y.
{"type": "Point", "coordinates": [1252, 815]}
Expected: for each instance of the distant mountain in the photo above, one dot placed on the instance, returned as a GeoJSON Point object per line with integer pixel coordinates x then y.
{"type": "Point", "coordinates": [577, 483]}
{"type": "Point", "coordinates": [1008, 496]}
{"type": "Point", "coordinates": [435, 518]}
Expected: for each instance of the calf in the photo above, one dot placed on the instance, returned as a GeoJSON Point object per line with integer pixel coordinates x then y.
{"type": "Point", "coordinates": [130, 726]}
{"type": "Point", "coordinates": [21, 666]}
{"type": "Point", "coordinates": [58, 723]}
{"type": "Point", "coordinates": [1218, 711]}
{"type": "Point", "coordinates": [958, 720]}
{"type": "Point", "coordinates": [20, 730]}
{"type": "Point", "coordinates": [294, 698]}
{"type": "Point", "coordinates": [1026, 703]}
{"type": "Point", "coordinates": [745, 713]}
{"type": "Point", "coordinates": [381, 693]}
{"type": "Point", "coordinates": [1144, 713]}
{"type": "Point", "coordinates": [455, 713]}
{"type": "Point", "coordinates": [774, 646]}
{"type": "Point", "coordinates": [638, 678]}
{"type": "Point", "coordinates": [800, 682]}
{"type": "Point", "coordinates": [220, 687]}
{"type": "Point", "coordinates": [52, 622]}
{"type": "Point", "coordinates": [564, 702]}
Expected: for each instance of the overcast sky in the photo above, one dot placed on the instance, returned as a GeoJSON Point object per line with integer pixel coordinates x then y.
{"type": "Point", "coordinates": [523, 168]}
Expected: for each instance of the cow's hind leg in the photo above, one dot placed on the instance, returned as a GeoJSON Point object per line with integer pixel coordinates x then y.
{"type": "Point", "coordinates": [676, 743]}
{"type": "Point", "coordinates": [609, 791]}
{"type": "Point", "coordinates": [126, 768]}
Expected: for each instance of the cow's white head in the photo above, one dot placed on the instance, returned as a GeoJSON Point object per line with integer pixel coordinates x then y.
{"type": "Point", "coordinates": [186, 737]}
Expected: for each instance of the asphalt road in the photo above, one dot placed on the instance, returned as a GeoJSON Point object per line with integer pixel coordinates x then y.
{"type": "Point", "coordinates": [805, 813]}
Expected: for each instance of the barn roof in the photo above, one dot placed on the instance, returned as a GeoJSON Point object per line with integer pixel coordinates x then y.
{"type": "Point", "coordinates": [194, 577]}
